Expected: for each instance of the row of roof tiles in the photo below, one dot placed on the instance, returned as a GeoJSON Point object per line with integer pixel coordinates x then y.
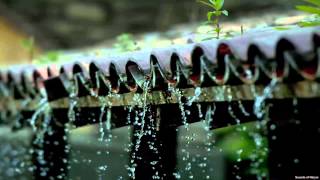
{"type": "Point", "coordinates": [255, 57]}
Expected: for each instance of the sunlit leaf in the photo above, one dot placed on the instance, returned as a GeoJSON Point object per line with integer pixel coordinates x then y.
{"type": "Point", "coordinates": [53, 56]}
{"type": "Point", "coordinates": [205, 3]}
{"type": "Point", "coordinates": [219, 4]}
{"type": "Point", "coordinates": [217, 13]}
{"type": "Point", "coordinates": [281, 28]}
{"type": "Point", "coordinates": [206, 23]}
{"type": "Point", "coordinates": [314, 2]}
{"type": "Point", "coordinates": [209, 15]}
{"type": "Point", "coordinates": [309, 9]}
{"type": "Point", "coordinates": [309, 24]}
{"type": "Point", "coordinates": [225, 12]}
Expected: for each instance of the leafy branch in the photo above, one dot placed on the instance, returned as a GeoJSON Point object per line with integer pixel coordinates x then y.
{"type": "Point", "coordinates": [313, 8]}
{"type": "Point", "coordinates": [125, 42]}
{"type": "Point", "coordinates": [29, 46]}
{"type": "Point", "coordinates": [49, 57]}
{"type": "Point", "coordinates": [214, 15]}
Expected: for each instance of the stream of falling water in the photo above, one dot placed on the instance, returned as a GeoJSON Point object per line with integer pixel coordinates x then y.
{"type": "Point", "coordinates": [39, 122]}
{"type": "Point", "coordinates": [230, 110]}
{"type": "Point", "coordinates": [261, 111]}
{"type": "Point", "coordinates": [178, 94]}
{"type": "Point", "coordinates": [207, 121]}
{"type": "Point", "coordinates": [105, 128]}
{"type": "Point", "coordinates": [184, 114]}
{"type": "Point", "coordinates": [105, 104]}
{"type": "Point", "coordinates": [259, 102]}
{"type": "Point", "coordinates": [197, 93]}
{"type": "Point", "coordinates": [41, 108]}
{"type": "Point", "coordinates": [73, 101]}
{"type": "Point", "coordinates": [140, 103]}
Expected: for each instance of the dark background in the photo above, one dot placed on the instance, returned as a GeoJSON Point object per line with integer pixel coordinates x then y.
{"type": "Point", "coordinates": [66, 24]}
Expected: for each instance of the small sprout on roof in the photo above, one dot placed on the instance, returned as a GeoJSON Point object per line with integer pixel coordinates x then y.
{"type": "Point", "coordinates": [314, 9]}
{"type": "Point", "coordinates": [49, 57]}
{"type": "Point", "coordinates": [213, 16]}
{"type": "Point", "coordinates": [29, 45]}
{"type": "Point", "coordinates": [125, 42]}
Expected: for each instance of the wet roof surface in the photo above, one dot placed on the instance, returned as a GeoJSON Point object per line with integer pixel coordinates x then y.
{"type": "Point", "coordinates": [255, 57]}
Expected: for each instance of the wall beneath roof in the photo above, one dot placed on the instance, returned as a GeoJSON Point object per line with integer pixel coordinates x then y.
{"type": "Point", "coordinates": [11, 51]}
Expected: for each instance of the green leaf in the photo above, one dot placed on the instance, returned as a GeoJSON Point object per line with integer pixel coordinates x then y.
{"type": "Point", "coordinates": [209, 15]}
{"type": "Point", "coordinates": [28, 43]}
{"type": "Point", "coordinates": [219, 4]}
{"type": "Point", "coordinates": [217, 13]}
{"type": "Point", "coordinates": [208, 38]}
{"type": "Point", "coordinates": [52, 56]}
{"type": "Point", "coordinates": [281, 28]}
{"type": "Point", "coordinates": [309, 24]}
{"type": "Point", "coordinates": [206, 23]}
{"type": "Point", "coordinates": [314, 2]}
{"type": "Point", "coordinates": [309, 9]}
{"type": "Point", "coordinates": [205, 3]}
{"type": "Point", "coordinates": [225, 12]}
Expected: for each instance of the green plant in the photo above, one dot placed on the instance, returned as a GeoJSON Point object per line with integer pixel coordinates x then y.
{"type": "Point", "coordinates": [125, 42]}
{"type": "Point", "coordinates": [313, 8]}
{"type": "Point", "coordinates": [49, 57]}
{"type": "Point", "coordinates": [214, 15]}
{"type": "Point", "coordinates": [29, 46]}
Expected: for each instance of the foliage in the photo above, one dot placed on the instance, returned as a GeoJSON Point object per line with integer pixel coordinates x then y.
{"type": "Point", "coordinates": [49, 57]}
{"type": "Point", "coordinates": [213, 17]}
{"type": "Point", "coordinates": [313, 8]}
{"type": "Point", "coordinates": [29, 46]}
{"type": "Point", "coordinates": [249, 145]}
{"type": "Point", "coordinates": [125, 42]}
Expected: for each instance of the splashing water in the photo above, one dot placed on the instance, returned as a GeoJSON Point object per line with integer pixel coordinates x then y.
{"type": "Point", "coordinates": [259, 102]}
{"type": "Point", "coordinates": [41, 108]}
{"type": "Point", "coordinates": [17, 118]}
{"type": "Point", "coordinates": [207, 122]}
{"type": "Point", "coordinates": [105, 128]}
{"type": "Point", "coordinates": [184, 113]}
{"type": "Point", "coordinates": [178, 94]}
{"type": "Point", "coordinates": [14, 159]}
{"type": "Point", "coordinates": [197, 93]}
{"type": "Point", "coordinates": [144, 110]}
{"type": "Point", "coordinates": [230, 110]}
{"type": "Point", "coordinates": [128, 146]}
{"type": "Point", "coordinates": [43, 129]}
{"type": "Point", "coordinates": [108, 117]}
{"type": "Point", "coordinates": [102, 109]}
{"type": "Point", "coordinates": [139, 134]}
{"type": "Point", "coordinates": [243, 109]}
{"type": "Point", "coordinates": [239, 152]}
{"type": "Point", "coordinates": [199, 111]}
{"type": "Point", "coordinates": [104, 103]}
{"type": "Point", "coordinates": [233, 115]}
{"type": "Point", "coordinates": [208, 118]}
{"type": "Point", "coordinates": [73, 101]}
{"type": "Point", "coordinates": [261, 111]}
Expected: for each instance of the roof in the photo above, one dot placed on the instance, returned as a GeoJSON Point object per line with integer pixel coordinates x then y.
{"type": "Point", "coordinates": [253, 59]}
